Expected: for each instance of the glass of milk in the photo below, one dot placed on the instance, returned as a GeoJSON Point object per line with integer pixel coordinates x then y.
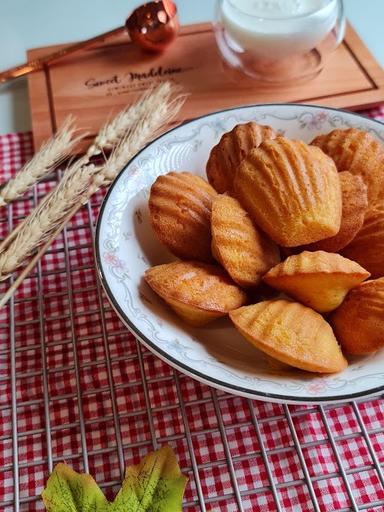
{"type": "Point", "coordinates": [278, 40]}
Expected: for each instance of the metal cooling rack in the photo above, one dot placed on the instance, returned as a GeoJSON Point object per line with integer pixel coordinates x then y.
{"type": "Point", "coordinates": [200, 499]}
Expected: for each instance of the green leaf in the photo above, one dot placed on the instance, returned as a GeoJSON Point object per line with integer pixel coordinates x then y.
{"type": "Point", "coordinates": [68, 491]}
{"type": "Point", "coordinates": [154, 485]}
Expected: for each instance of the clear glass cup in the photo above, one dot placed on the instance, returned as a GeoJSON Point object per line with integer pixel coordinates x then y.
{"type": "Point", "coordinates": [278, 48]}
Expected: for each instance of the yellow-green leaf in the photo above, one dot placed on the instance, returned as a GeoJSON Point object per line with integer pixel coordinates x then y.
{"type": "Point", "coordinates": [68, 491]}
{"type": "Point", "coordinates": [155, 485]}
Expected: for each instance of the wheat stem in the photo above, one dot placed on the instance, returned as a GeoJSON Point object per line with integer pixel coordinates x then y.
{"type": "Point", "coordinates": [27, 269]}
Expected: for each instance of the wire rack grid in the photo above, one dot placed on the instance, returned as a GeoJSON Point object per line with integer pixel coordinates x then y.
{"type": "Point", "coordinates": [76, 386]}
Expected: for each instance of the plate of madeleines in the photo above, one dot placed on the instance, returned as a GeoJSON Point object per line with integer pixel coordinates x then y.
{"type": "Point", "coordinates": [246, 249]}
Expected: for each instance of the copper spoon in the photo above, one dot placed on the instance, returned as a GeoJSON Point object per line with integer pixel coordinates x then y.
{"type": "Point", "coordinates": [152, 26]}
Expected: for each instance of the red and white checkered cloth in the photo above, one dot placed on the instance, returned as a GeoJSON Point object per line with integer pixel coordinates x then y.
{"type": "Point", "coordinates": [233, 450]}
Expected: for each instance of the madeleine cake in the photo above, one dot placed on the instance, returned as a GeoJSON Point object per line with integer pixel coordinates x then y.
{"type": "Point", "coordinates": [291, 333]}
{"type": "Point", "coordinates": [233, 146]}
{"type": "Point", "coordinates": [354, 206]}
{"type": "Point", "coordinates": [318, 279]}
{"type": "Point", "coordinates": [358, 152]}
{"type": "Point", "coordinates": [367, 248]}
{"type": "Point", "coordinates": [245, 253]}
{"type": "Point", "coordinates": [196, 291]}
{"type": "Point", "coordinates": [180, 211]}
{"type": "Point", "coordinates": [291, 190]}
{"type": "Point", "coordinates": [359, 322]}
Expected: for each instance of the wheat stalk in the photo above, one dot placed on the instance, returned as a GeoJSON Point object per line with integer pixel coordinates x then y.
{"type": "Point", "coordinates": [154, 99]}
{"type": "Point", "coordinates": [51, 153]}
{"type": "Point", "coordinates": [161, 108]}
{"type": "Point", "coordinates": [126, 134]}
{"type": "Point", "coordinates": [27, 269]}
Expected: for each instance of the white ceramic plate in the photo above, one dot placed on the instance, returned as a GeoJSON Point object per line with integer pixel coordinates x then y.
{"type": "Point", "coordinates": [126, 247]}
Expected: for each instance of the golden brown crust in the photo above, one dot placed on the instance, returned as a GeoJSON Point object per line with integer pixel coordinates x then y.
{"type": "Point", "coordinates": [291, 190]}
{"type": "Point", "coordinates": [355, 204]}
{"type": "Point", "coordinates": [180, 212]}
{"type": "Point", "coordinates": [358, 152]}
{"type": "Point", "coordinates": [367, 248]}
{"type": "Point", "coordinates": [245, 253]}
{"type": "Point", "coordinates": [291, 333]}
{"type": "Point", "coordinates": [359, 321]}
{"type": "Point", "coordinates": [198, 292]}
{"type": "Point", "coordinates": [233, 146]}
{"type": "Point", "coordinates": [319, 280]}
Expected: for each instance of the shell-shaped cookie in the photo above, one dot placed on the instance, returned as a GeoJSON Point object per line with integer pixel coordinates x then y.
{"type": "Point", "coordinates": [233, 146]}
{"type": "Point", "coordinates": [180, 211]}
{"type": "Point", "coordinates": [354, 206]}
{"type": "Point", "coordinates": [359, 322]}
{"type": "Point", "coordinates": [367, 248]}
{"type": "Point", "coordinates": [245, 253]}
{"type": "Point", "coordinates": [196, 291]}
{"type": "Point", "coordinates": [291, 190]}
{"type": "Point", "coordinates": [358, 152]}
{"type": "Point", "coordinates": [291, 333]}
{"type": "Point", "coordinates": [318, 279]}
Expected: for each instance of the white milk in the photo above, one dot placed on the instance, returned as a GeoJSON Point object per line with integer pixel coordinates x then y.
{"type": "Point", "coordinates": [278, 28]}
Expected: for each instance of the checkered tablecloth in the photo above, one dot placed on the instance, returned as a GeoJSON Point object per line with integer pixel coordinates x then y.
{"type": "Point", "coordinates": [86, 392]}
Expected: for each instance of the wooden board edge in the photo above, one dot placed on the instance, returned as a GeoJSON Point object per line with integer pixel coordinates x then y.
{"type": "Point", "coordinates": [38, 81]}
{"type": "Point", "coordinates": [355, 101]}
{"type": "Point", "coordinates": [364, 57]}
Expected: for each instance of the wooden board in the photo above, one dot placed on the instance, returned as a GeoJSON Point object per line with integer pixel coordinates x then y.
{"type": "Point", "coordinates": [96, 83]}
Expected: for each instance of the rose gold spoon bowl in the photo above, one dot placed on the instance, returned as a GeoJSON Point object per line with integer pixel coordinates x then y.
{"type": "Point", "coordinates": [152, 26]}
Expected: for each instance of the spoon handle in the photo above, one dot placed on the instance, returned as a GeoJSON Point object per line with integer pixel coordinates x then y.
{"type": "Point", "coordinates": [37, 64]}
